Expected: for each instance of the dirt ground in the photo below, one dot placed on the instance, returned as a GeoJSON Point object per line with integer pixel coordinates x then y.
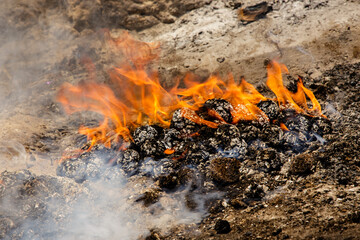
{"type": "Point", "coordinates": [42, 43]}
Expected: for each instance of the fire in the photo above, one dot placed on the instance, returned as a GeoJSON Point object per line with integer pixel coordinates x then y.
{"type": "Point", "coordinates": [135, 95]}
{"type": "Point", "coordinates": [288, 99]}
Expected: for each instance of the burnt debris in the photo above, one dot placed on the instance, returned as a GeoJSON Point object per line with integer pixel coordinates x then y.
{"type": "Point", "coordinates": [219, 109]}
{"type": "Point", "coordinates": [189, 153]}
{"type": "Point", "coordinates": [251, 167]}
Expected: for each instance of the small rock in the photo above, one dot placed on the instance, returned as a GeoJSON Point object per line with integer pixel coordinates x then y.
{"type": "Point", "coordinates": [220, 59]}
{"type": "Point", "coordinates": [238, 203]}
{"type": "Point", "coordinates": [222, 227]}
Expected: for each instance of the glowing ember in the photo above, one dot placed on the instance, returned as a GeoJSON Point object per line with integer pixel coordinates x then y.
{"type": "Point", "coordinates": [136, 95]}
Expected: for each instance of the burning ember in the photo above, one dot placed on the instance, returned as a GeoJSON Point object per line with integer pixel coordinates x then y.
{"type": "Point", "coordinates": [135, 96]}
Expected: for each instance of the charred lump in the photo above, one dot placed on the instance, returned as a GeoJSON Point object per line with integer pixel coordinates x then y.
{"type": "Point", "coordinates": [217, 153]}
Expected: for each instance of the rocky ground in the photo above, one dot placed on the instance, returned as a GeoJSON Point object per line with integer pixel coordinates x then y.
{"type": "Point", "coordinates": [314, 194]}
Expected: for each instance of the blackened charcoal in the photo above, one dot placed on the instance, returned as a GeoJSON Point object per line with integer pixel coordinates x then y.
{"type": "Point", "coordinates": [222, 107]}
{"type": "Point", "coordinates": [171, 138]}
{"type": "Point", "coordinates": [292, 86]}
{"type": "Point", "coordinates": [257, 145]}
{"type": "Point", "coordinates": [183, 124]}
{"type": "Point", "coordinates": [272, 135]}
{"type": "Point", "coordinates": [268, 160]}
{"type": "Point", "coordinates": [197, 157]}
{"type": "Point", "coordinates": [72, 168]}
{"type": "Point", "coordinates": [194, 146]}
{"type": "Point", "coordinates": [286, 114]}
{"type": "Point", "coordinates": [295, 141]}
{"type": "Point", "coordinates": [321, 126]}
{"type": "Point", "coordinates": [206, 132]}
{"type": "Point", "coordinates": [298, 123]}
{"type": "Point", "coordinates": [152, 148]}
{"type": "Point", "coordinates": [129, 161]}
{"type": "Point", "coordinates": [227, 142]}
{"type": "Point", "coordinates": [155, 169]}
{"type": "Point", "coordinates": [212, 144]}
{"type": "Point", "coordinates": [270, 108]}
{"type": "Point", "coordinates": [222, 227]}
{"type": "Point", "coordinates": [236, 149]}
{"type": "Point", "coordinates": [179, 122]}
{"type": "Point", "coordinates": [101, 154]}
{"type": "Point", "coordinates": [254, 147]}
{"type": "Point", "coordinates": [226, 132]}
{"type": "Point", "coordinates": [143, 133]}
{"type": "Point", "coordinates": [181, 147]}
{"type": "Point", "coordinates": [169, 182]}
{"type": "Point", "coordinates": [129, 155]}
{"type": "Point", "coordinates": [248, 131]}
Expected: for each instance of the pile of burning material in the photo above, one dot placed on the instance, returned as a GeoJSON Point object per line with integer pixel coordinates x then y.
{"type": "Point", "coordinates": [199, 133]}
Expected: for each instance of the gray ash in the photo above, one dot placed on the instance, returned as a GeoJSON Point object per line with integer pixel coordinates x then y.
{"type": "Point", "coordinates": [73, 168]}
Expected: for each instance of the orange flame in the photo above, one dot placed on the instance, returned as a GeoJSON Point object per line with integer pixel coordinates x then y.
{"type": "Point", "coordinates": [244, 98]}
{"type": "Point", "coordinates": [288, 99]}
{"type": "Point", "coordinates": [135, 95]}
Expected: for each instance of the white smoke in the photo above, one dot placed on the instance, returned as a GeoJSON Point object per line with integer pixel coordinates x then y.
{"type": "Point", "coordinates": [102, 209]}
{"type": "Point", "coordinates": [32, 46]}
